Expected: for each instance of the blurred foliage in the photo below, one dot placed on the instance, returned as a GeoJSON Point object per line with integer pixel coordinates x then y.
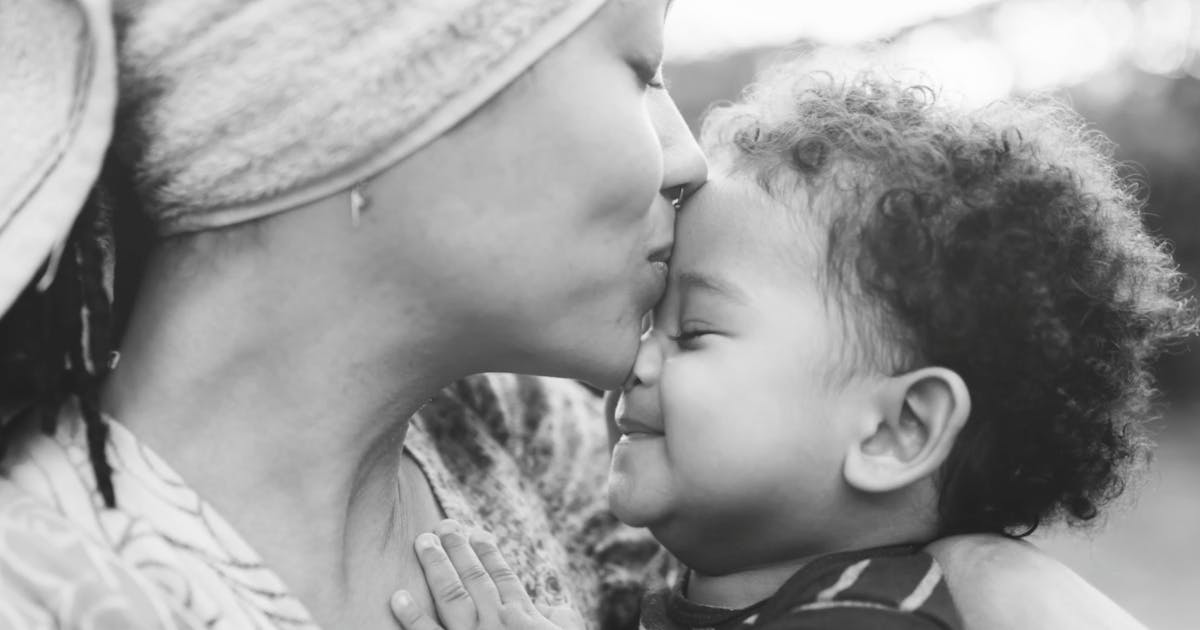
{"type": "Point", "coordinates": [1155, 123]}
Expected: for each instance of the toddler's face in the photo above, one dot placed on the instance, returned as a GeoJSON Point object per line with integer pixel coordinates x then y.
{"type": "Point", "coordinates": [731, 449]}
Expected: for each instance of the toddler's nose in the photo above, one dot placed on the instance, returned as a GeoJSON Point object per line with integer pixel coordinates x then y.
{"type": "Point", "coordinates": [647, 366]}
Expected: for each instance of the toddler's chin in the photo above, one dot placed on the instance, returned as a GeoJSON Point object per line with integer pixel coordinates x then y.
{"type": "Point", "coordinates": [627, 506]}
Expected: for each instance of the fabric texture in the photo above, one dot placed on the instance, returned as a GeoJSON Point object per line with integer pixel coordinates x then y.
{"type": "Point", "coordinates": [523, 456]}
{"type": "Point", "coordinates": [898, 587]}
{"type": "Point", "coordinates": [234, 110]}
{"type": "Point", "coordinates": [57, 98]}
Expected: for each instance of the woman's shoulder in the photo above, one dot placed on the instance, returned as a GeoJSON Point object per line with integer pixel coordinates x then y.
{"type": "Point", "coordinates": [160, 558]}
{"type": "Point", "coordinates": [54, 574]}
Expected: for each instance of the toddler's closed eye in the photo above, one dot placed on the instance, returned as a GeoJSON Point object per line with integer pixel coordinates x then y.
{"type": "Point", "coordinates": [689, 339]}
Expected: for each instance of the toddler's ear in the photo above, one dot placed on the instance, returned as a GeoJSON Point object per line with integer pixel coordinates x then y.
{"type": "Point", "coordinates": [918, 417]}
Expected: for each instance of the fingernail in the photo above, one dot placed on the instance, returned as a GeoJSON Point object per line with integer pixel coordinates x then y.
{"type": "Point", "coordinates": [401, 599]}
{"type": "Point", "coordinates": [428, 541]}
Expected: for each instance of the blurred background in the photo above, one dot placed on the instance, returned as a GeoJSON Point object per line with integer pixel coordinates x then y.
{"type": "Point", "coordinates": [1131, 68]}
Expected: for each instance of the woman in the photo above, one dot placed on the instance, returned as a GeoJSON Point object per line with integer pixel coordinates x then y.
{"type": "Point", "coordinates": [270, 354]}
{"type": "Point", "coordinates": [358, 202]}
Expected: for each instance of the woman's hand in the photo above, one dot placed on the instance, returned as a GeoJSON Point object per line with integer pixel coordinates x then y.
{"type": "Point", "coordinates": [473, 588]}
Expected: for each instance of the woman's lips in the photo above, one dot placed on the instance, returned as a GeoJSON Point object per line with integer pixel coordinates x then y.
{"type": "Point", "coordinates": [662, 253]}
{"type": "Point", "coordinates": [659, 259]}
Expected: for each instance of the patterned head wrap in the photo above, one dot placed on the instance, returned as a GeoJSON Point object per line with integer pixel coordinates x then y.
{"type": "Point", "coordinates": [57, 96]}
{"type": "Point", "coordinates": [233, 110]}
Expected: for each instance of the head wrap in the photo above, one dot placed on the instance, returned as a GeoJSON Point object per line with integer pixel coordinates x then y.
{"type": "Point", "coordinates": [233, 110]}
{"type": "Point", "coordinates": [57, 97]}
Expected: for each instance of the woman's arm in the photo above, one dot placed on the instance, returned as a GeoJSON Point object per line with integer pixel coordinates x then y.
{"type": "Point", "coordinates": [1004, 584]}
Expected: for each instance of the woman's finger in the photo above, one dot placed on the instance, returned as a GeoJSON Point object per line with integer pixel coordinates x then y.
{"type": "Point", "coordinates": [509, 586]}
{"type": "Point", "coordinates": [470, 571]}
{"type": "Point", "coordinates": [450, 597]}
{"type": "Point", "coordinates": [409, 614]}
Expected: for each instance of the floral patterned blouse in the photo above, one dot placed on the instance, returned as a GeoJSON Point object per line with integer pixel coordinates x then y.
{"type": "Point", "coordinates": [525, 457]}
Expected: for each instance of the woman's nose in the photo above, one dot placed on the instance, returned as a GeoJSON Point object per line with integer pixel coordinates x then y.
{"type": "Point", "coordinates": [684, 165]}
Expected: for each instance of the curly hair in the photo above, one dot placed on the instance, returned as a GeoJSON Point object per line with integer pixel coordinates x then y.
{"type": "Point", "coordinates": [1001, 243]}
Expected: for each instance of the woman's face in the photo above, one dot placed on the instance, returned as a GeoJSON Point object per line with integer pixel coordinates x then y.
{"type": "Point", "coordinates": [542, 222]}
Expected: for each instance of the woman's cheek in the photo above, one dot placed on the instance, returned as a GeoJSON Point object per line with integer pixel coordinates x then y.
{"type": "Point", "coordinates": [631, 163]}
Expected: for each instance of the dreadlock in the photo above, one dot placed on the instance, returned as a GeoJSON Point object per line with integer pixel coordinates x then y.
{"type": "Point", "coordinates": [55, 344]}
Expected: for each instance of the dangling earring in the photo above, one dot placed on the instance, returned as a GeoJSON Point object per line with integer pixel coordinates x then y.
{"type": "Point", "coordinates": [358, 203]}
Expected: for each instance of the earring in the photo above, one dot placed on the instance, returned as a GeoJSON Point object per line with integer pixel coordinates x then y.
{"type": "Point", "coordinates": [358, 203]}
{"type": "Point", "coordinates": [677, 202]}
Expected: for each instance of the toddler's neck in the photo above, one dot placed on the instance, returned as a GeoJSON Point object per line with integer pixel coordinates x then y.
{"type": "Point", "coordinates": [749, 586]}
{"type": "Point", "coordinates": [741, 589]}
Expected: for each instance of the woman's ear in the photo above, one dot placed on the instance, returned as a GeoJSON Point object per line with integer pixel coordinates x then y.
{"type": "Point", "coordinates": [916, 421]}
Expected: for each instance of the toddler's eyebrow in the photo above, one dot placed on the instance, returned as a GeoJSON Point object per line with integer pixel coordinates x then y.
{"type": "Point", "coordinates": [701, 281]}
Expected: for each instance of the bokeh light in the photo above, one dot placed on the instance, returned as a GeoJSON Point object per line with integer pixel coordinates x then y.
{"type": "Point", "coordinates": [980, 49]}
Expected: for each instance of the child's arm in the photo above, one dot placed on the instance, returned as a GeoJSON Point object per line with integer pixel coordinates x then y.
{"type": "Point", "coordinates": [474, 588]}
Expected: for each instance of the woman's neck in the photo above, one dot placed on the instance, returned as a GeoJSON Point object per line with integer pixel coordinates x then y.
{"type": "Point", "coordinates": [281, 399]}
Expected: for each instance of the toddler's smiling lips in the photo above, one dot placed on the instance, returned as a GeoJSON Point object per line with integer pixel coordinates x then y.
{"type": "Point", "coordinates": [630, 427]}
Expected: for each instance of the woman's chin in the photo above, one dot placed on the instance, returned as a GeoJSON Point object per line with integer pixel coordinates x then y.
{"type": "Point", "coordinates": [609, 365]}
{"type": "Point", "coordinates": [606, 381]}
{"type": "Point", "coordinates": [602, 359]}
